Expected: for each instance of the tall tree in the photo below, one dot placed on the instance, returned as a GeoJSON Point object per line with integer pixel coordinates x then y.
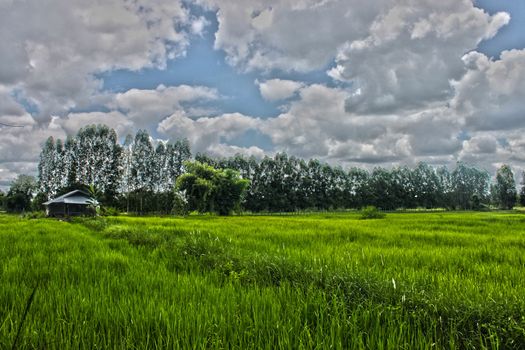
{"type": "Point", "coordinates": [381, 189]}
{"type": "Point", "coordinates": [426, 186]}
{"type": "Point", "coordinates": [45, 168]}
{"type": "Point", "coordinates": [125, 183]}
{"type": "Point", "coordinates": [357, 188]}
{"type": "Point", "coordinates": [59, 167]}
{"type": "Point", "coordinates": [505, 187]}
{"type": "Point", "coordinates": [70, 163]}
{"type": "Point", "coordinates": [470, 186]}
{"type": "Point", "coordinates": [20, 193]}
{"type": "Point", "coordinates": [177, 154]}
{"type": "Point", "coordinates": [142, 163]}
{"type": "Point", "coordinates": [161, 176]}
{"type": "Point", "coordinates": [97, 160]}
{"type": "Point", "coordinates": [522, 190]}
{"type": "Point", "coordinates": [2, 200]}
{"type": "Point", "coordinates": [445, 187]}
{"type": "Point", "coordinates": [142, 169]}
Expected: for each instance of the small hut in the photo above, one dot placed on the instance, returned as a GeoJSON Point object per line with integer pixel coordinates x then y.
{"type": "Point", "coordinates": [73, 203]}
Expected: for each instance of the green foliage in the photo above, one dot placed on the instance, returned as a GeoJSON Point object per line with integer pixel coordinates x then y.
{"type": "Point", "coordinates": [371, 212]}
{"type": "Point", "coordinates": [38, 202]}
{"type": "Point", "coordinates": [211, 190]}
{"type": "Point", "coordinates": [504, 188]}
{"type": "Point", "coordinates": [2, 200]}
{"type": "Point", "coordinates": [139, 177]}
{"type": "Point", "coordinates": [109, 211]}
{"type": "Point", "coordinates": [522, 190]}
{"type": "Point", "coordinates": [91, 157]}
{"type": "Point", "coordinates": [180, 204]}
{"type": "Point", "coordinates": [417, 281]}
{"type": "Point", "coordinates": [20, 193]}
{"type": "Point", "coordinates": [468, 184]}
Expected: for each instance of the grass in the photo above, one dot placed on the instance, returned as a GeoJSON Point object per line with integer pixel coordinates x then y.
{"type": "Point", "coordinates": [410, 280]}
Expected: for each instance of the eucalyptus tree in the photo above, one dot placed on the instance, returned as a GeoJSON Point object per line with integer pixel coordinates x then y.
{"type": "Point", "coordinates": [381, 189]}
{"type": "Point", "coordinates": [162, 183]}
{"type": "Point", "coordinates": [357, 185]}
{"type": "Point", "coordinates": [206, 159]}
{"type": "Point", "coordinates": [97, 159]}
{"type": "Point", "coordinates": [69, 160]}
{"type": "Point", "coordinates": [142, 162]}
{"type": "Point", "coordinates": [470, 186]}
{"type": "Point", "coordinates": [337, 190]}
{"type": "Point", "coordinates": [97, 156]}
{"type": "Point", "coordinates": [522, 189]}
{"type": "Point", "coordinates": [59, 167]}
{"type": "Point", "coordinates": [45, 168]}
{"type": "Point", "coordinates": [446, 190]}
{"type": "Point", "coordinates": [426, 186]}
{"type": "Point", "coordinates": [177, 154]}
{"type": "Point", "coordinates": [505, 187]}
{"type": "Point", "coordinates": [402, 188]}
{"type": "Point", "coordinates": [2, 200]}
{"type": "Point", "coordinates": [125, 180]}
{"type": "Point", "coordinates": [161, 177]}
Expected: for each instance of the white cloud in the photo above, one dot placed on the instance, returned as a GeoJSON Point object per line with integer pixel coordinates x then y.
{"type": "Point", "coordinates": [20, 147]}
{"type": "Point", "coordinates": [289, 34]}
{"type": "Point", "coordinates": [491, 93]}
{"type": "Point", "coordinates": [224, 150]}
{"type": "Point", "coordinates": [278, 89]}
{"type": "Point", "coordinates": [148, 107]}
{"type": "Point", "coordinates": [51, 50]}
{"type": "Point", "coordinates": [412, 51]}
{"type": "Point", "coordinates": [306, 35]}
{"type": "Point", "coordinates": [74, 121]}
{"type": "Point", "coordinates": [316, 125]}
{"type": "Point", "coordinates": [206, 134]}
{"type": "Point", "coordinates": [417, 90]}
{"type": "Point", "coordinates": [481, 144]}
{"type": "Point", "coordinates": [198, 25]}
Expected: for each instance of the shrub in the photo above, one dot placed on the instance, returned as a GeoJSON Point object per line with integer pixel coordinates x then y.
{"type": "Point", "coordinates": [371, 212]}
{"type": "Point", "coordinates": [109, 211]}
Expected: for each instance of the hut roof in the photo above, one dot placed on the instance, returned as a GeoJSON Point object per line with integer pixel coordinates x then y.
{"type": "Point", "coordinates": [73, 197]}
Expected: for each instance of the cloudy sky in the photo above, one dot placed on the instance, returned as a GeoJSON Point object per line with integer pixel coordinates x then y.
{"type": "Point", "coordinates": [367, 83]}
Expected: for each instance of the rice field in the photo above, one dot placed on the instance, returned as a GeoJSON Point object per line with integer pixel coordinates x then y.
{"type": "Point", "coordinates": [409, 281]}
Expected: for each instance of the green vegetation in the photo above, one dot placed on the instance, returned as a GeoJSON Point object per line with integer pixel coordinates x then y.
{"type": "Point", "coordinates": [414, 281]}
{"type": "Point", "coordinates": [211, 190]}
{"type": "Point", "coordinates": [141, 176]}
{"type": "Point", "coordinates": [371, 212]}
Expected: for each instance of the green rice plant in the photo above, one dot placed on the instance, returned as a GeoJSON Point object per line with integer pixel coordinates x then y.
{"type": "Point", "coordinates": [331, 280]}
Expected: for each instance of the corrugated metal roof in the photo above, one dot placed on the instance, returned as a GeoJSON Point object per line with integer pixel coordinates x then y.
{"type": "Point", "coordinates": [73, 197]}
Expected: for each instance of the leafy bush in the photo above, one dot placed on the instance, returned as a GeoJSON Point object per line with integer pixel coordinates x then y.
{"type": "Point", "coordinates": [109, 211]}
{"type": "Point", "coordinates": [371, 212]}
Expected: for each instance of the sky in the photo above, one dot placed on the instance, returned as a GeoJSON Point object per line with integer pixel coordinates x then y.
{"type": "Point", "coordinates": [353, 83]}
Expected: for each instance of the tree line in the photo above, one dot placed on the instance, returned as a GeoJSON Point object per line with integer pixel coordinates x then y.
{"type": "Point", "coordinates": [285, 183]}
{"type": "Point", "coordinates": [143, 176]}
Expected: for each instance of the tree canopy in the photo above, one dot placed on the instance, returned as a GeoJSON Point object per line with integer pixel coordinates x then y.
{"type": "Point", "coordinates": [140, 176]}
{"type": "Point", "coordinates": [211, 190]}
{"type": "Point", "coordinates": [505, 187]}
